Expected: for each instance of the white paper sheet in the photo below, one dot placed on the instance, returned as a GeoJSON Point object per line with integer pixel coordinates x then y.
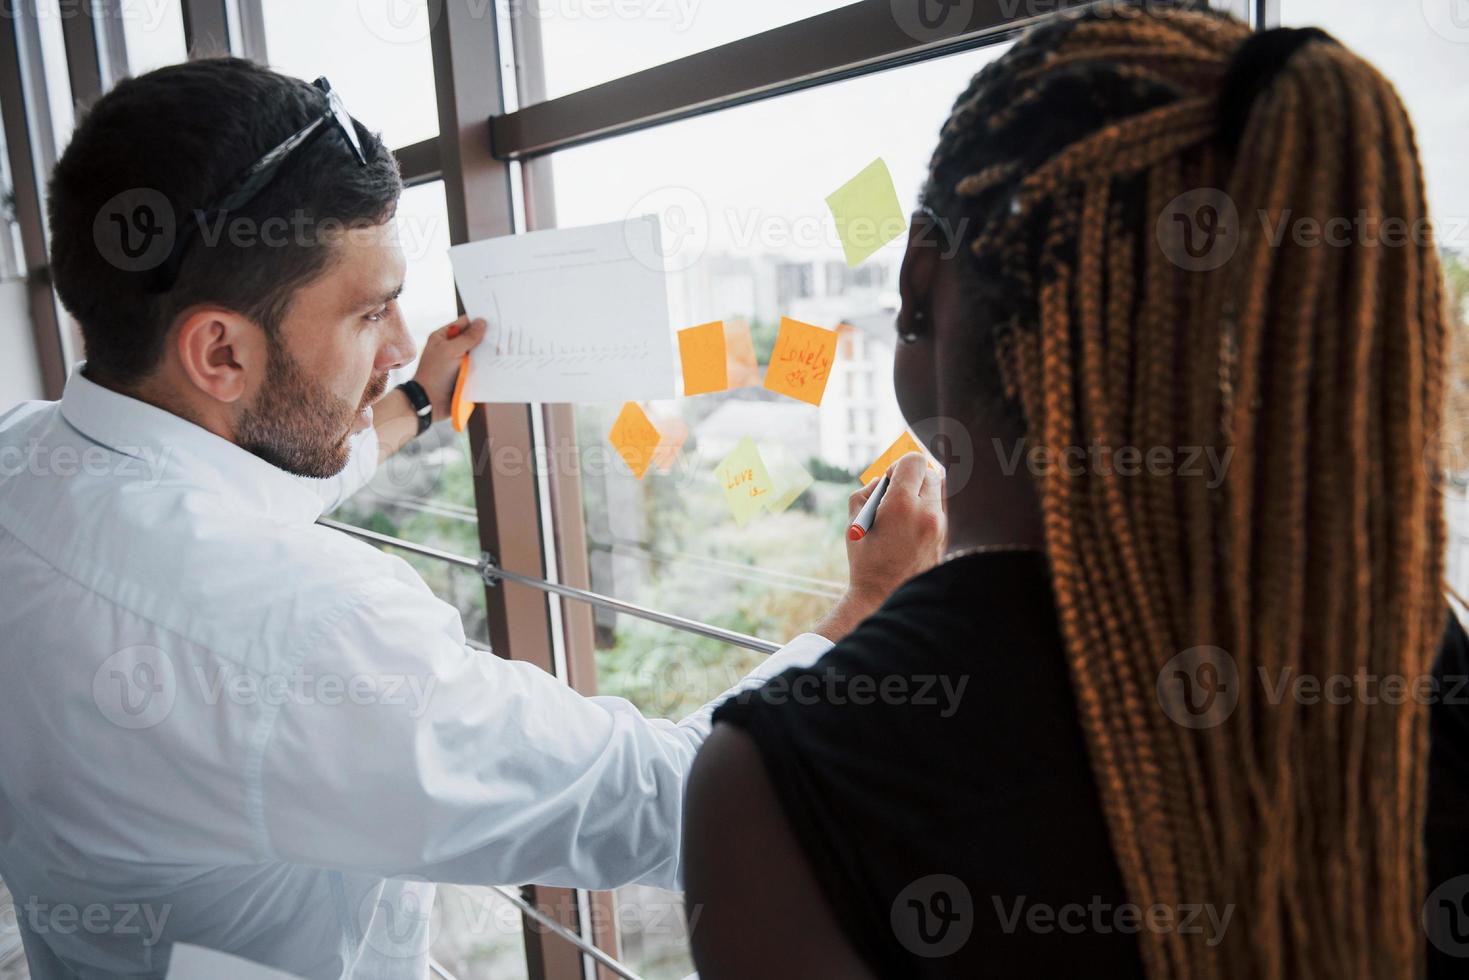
{"type": "Point", "coordinates": [574, 314]}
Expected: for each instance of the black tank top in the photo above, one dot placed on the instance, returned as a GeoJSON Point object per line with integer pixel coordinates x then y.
{"type": "Point", "coordinates": [933, 768]}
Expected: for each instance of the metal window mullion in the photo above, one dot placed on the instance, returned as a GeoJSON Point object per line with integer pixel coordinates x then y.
{"type": "Point", "coordinates": [1267, 14]}
{"type": "Point", "coordinates": [206, 28]}
{"type": "Point", "coordinates": [850, 41]}
{"type": "Point", "coordinates": [32, 150]}
{"type": "Point", "coordinates": [251, 42]}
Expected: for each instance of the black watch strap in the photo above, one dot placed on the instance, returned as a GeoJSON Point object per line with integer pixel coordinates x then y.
{"type": "Point", "coordinates": [422, 407]}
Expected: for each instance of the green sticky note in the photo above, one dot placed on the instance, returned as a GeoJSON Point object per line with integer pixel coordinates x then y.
{"type": "Point", "coordinates": [790, 482]}
{"type": "Point", "coordinates": [745, 481]}
{"type": "Point", "coordinates": [867, 212]}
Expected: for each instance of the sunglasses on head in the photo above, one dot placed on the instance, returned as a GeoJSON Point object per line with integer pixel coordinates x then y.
{"type": "Point", "coordinates": [260, 175]}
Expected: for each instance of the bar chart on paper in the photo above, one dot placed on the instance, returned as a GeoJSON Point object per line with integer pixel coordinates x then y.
{"type": "Point", "coordinates": [574, 315]}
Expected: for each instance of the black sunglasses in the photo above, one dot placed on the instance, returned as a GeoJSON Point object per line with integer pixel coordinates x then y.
{"type": "Point", "coordinates": [258, 177]}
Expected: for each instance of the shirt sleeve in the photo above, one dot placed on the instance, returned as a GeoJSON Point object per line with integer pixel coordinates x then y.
{"type": "Point", "coordinates": [362, 463]}
{"type": "Point", "coordinates": [458, 766]}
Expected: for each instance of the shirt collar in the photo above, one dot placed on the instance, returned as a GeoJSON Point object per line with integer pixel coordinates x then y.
{"type": "Point", "coordinates": [186, 452]}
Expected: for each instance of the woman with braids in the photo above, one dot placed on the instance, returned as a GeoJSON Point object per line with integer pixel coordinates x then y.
{"type": "Point", "coordinates": [1131, 781]}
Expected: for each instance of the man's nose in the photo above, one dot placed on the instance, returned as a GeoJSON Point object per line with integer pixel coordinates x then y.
{"type": "Point", "coordinates": [400, 350]}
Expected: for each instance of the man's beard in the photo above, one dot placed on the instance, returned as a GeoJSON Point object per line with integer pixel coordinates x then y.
{"type": "Point", "coordinates": [298, 425]}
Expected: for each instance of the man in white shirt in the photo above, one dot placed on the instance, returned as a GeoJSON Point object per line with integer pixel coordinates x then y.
{"type": "Point", "coordinates": [221, 723]}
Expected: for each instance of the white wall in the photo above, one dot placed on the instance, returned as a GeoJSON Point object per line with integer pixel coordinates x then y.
{"type": "Point", "coordinates": [20, 371]}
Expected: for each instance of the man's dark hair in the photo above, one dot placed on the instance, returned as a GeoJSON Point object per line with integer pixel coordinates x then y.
{"type": "Point", "coordinates": [183, 135]}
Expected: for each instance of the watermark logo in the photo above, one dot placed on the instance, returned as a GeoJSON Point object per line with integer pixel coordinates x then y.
{"type": "Point", "coordinates": [934, 916]}
{"type": "Point", "coordinates": [682, 229]}
{"type": "Point", "coordinates": [952, 446]}
{"type": "Point", "coordinates": [1199, 688]}
{"type": "Point", "coordinates": [1199, 230]}
{"type": "Point", "coordinates": [135, 231]}
{"type": "Point", "coordinates": [1446, 458]}
{"type": "Point", "coordinates": [1446, 917]}
{"type": "Point", "coordinates": [398, 21]}
{"type": "Point", "coordinates": [930, 20]}
{"type": "Point", "coordinates": [135, 688]}
{"type": "Point", "coordinates": [1449, 19]}
{"type": "Point", "coordinates": [401, 919]}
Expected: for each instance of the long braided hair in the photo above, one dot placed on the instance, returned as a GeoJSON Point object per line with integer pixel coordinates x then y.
{"type": "Point", "coordinates": [1063, 167]}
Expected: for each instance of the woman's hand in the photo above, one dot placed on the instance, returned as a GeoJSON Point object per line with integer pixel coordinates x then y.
{"type": "Point", "coordinates": [438, 368]}
{"type": "Point", "coordinates": [907, 539]}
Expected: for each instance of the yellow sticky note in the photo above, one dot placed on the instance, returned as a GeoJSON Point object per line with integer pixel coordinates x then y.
{"type": "Point", "coordinates": [461, 408]}
{"type": "Point", "coordinates": [743, 367]}
{"type": "Point", "coordinates": [867, 212]}
{"type": "Point", "coordinates": [675, 433]}
{"type": "Point", "coordinates": [790, 483]}
{"type": "Point", "coordinates": [635, 438]}
{"type": "Point", "coordinates": [746, 483]}
{"type": "Point", "coordinates": [705, 365]}
{"type": "Point", "coordinates": [906, 444]}
{"type": "Point", "coordinates": [801, 362]}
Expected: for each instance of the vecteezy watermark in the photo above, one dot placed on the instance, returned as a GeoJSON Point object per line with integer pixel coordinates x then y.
{"type": "Point", "coordinates": [1105, 918]}
{"type": "Point", "coordinates": [136, 231]}
{"type": "Point", "coordinates": [1200, 687]}
{"type": "Point", "coordinates": [1446, 917]}
{"type": "Point", "coordinates": [135, 688]}
{"type": "Point", "coordinates": [1201, 230]}
{"type": "Point", "coordinates": [400, 918]}
{"type": "Point", "coordinates": [147, 15]}
{"type": "Point", "coordinates": [409, 21]}
{"type": "Point", "coordinates": [1446, 458]}
{"type": "Point", "coordinates": [832, 686]}
{"type": "Point", "coordinates": [145, 464]}
{"type": "Point", "coordinates": [934, 916]}
{"type": "Point", "coordinates": [1196, 462]}
{"type": "Point", "coordinates": [143, 921]}
{"type": "Point", "coordinates": [1449, 19]}
{"type": "Point", "coordinates": [139, 687]}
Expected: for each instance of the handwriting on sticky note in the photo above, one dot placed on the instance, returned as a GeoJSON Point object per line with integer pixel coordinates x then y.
{"type": "Point", "coordinates": [705, 361]}
{"type": "Point", "coordinates": [904, 445]}
{"type": "Point", "coordinates": [745, 480]}
{"type": "Point", "coordinates": [867, 212]}
{"type": "Point", "coordinates": [800, 364]}
{"type": "Point", "coordinates": [635, 438]}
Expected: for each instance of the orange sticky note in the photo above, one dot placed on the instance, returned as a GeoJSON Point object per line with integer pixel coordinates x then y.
{"type": "Point", "coordinates": [460, 408]}
{"type": "Point", "coordinates": [801, 362]}
{"type": "Point", "coordinates": [675, 433]}
{"type": "Point", "coordinates": [635, 438]}
{"type": "Point", "coordinates": [745, 480]}
{"type": "Point", "coordinates": [906, 444]}
{"type": "Point", "coordinates": [743, 367]}
{"type": "Point", "coordinates": [705, 365]}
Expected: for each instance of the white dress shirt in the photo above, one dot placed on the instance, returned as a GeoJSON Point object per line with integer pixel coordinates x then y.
{"type": "Point", "coordinates": [223, 724]}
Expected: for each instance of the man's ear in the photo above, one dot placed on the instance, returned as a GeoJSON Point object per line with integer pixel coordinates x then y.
{"type": "Point", "coordinates": [920, 263]}
{"type": "Point", "coordinates": [221, 352]}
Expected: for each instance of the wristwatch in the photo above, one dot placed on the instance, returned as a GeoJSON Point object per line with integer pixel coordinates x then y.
{"type": "Point", "coordinates": [422, 406]}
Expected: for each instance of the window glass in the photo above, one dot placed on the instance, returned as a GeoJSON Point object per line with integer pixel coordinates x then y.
{"type": "Point", "coordinates": [376, 53]}
{"type": "Point", "coordinates": [587, 42]}
{"type": "Point", "coordinates": [154, 34]}
{"type": "Point", "coordinates": [1422, 48]}
{"type": "Point", "coordinates": [479, 935]}
{"type": "Point", "coordinates": [758, 244]}
{"type": "Point", "coordinates": [745, 190]}
{"type": "Point", "coordinates": [58, 81]}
